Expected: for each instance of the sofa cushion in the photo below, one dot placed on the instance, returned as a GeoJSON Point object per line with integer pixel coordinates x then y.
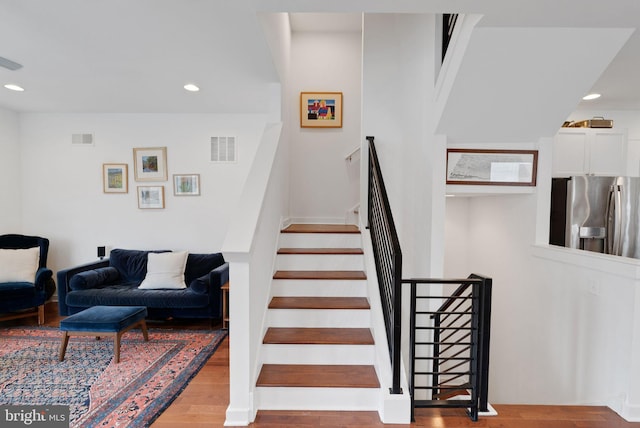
{"type": "Point", "coordinates": [132, 264]}
{"type": "Point", "coordinates": [199, 265]}
{"type": "Point", "coordinates": [130, 295]}
{"type": "Point", "coordinates": [200, 285]}
{"type": "Point", "coordinates": [19, 265]}
{"type": "Point", "coordinates": [93, 278]}
{"type": "Point", "coordinates": [165, 271]}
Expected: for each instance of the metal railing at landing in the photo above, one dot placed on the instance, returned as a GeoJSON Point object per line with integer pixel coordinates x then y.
{"type": "Point", "coordinates": [450, 335]}
{"type": "Point", "coordinates": [386, 251]}
{"type": "Point", "coordinates": [449, 345]}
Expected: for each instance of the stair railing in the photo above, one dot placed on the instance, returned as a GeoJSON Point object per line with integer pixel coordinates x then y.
{"type": "Point", "coordinates": [388, 256]}
{"type": "Point", "coordinates": [449, 345]}
{"type": "Point", "coordinates": [449, 355]}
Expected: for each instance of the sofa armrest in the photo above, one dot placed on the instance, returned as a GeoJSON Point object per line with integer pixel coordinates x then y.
{"type": "Point", "coordinates": [219, 276]}
{"type": "Point", "coordinates": [211, 282]}
{"type": "Point", "coordinates": [64, 277]}
{"type": "Point", "coordinates": [210, 285]}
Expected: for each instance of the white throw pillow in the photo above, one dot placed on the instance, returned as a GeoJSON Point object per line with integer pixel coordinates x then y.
{"type": "Point", "coordinates": [19, 265]}
{"type": "Point", "coordinates": [165, 270]}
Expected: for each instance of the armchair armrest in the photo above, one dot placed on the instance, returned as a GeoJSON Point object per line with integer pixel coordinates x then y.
{"type": "Point", "coordinates": [43, 275]}
{"type": "Point", "coordinates": [64, 278]}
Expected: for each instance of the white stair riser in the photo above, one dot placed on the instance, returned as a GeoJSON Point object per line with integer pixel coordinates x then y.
{"type": "Point", "coordinates": [320, 240]}
{"type": "Point", "coordinates": [319, 288]}
{"type": "Point", "coordinates": [338, 399]}
{"type": "Point", "coordinates": [321, 318]}
{"type": "Point", "coordinates": [320, 262]}
{"type": "Point", "coordinates": [317, 354]}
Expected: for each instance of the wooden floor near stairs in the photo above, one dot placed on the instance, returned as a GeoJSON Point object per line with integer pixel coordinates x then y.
{"type": "Point", "coordinates": [204, 401]}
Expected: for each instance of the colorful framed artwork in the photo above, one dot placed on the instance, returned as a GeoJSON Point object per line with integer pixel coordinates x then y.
{"type": "Point", "coordinates": [186, 184]}
{"type": "Point", "coordinates": [150, 163]}
{"type": "Point", "coordinates": [321, 109]}
{"type": "Point", "coordinates": [115, 178]}
{"type": "Point", "coordinates": [492, 167]}
{"type": "Point", "coordinates": [150, 197]}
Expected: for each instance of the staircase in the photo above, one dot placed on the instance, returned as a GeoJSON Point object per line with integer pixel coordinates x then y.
{"type": "Point", "coordinates": [318, 351]}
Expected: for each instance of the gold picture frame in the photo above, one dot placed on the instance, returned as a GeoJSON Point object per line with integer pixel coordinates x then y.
{"type": "Point", "coordinates": [115, 178]}
{"type": "Point", "coordinates": [321, 109]}
{"type": "Point", "coordinates": [150, 163]}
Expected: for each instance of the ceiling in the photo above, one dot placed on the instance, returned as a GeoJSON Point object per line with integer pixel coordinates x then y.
{"type": "Point", "coordinates": [134, 56]}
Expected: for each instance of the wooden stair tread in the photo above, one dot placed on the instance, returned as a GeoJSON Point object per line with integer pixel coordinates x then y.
{"type": "Point", "coordinates": [450, 393]}
{"type": "Point", "coordinates": [318, 336]}
{"type": "Point", "coordinates": [320, 274]}
{"type": "Point", "coordinates": [318, 376]}
{"type": "Point", "coordinates": [321, 228]}
{"type": "Point", "coordinates": [319, 303]}
{"type": "Point", "coordinates": [320, 251]}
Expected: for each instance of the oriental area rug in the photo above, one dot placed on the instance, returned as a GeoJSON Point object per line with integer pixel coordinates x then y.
{"type": "Point", "coordinates": [99, 392]}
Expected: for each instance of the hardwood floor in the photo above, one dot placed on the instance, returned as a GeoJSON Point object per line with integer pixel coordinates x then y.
{"type": "Point", "coordinates": [204, 401]}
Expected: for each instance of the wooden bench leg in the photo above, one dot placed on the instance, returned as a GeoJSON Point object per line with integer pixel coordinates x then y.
{"type": "Point", "coordinates": [116, 350]}
{"type": "Point", "coordinates": [63, 345]}
{"type": "Point", "coordinates": [145, 333]}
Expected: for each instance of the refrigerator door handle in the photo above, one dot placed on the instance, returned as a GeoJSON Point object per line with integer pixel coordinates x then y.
{"type": "Point", "coordinates": [614, 219]}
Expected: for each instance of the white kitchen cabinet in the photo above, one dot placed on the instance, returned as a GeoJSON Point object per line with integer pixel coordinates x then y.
{"type": "Point", "coordinates": [597, 151]}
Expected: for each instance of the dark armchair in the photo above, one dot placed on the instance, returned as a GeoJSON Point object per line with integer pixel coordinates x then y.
{"type": "Point", "coordinates": [18, 294]}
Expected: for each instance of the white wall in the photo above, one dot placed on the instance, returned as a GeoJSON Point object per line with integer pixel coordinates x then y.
{"type": "Point", "coordinates": [562, 325]}
{"type": "Point", "coordinates": [62, 183]}
{"type": "Point", "coordinates": [398, 87]}
{"type": "Point", "coordinates": [10, 184]}
{"type": "Point", "coordinates": [324, 187]}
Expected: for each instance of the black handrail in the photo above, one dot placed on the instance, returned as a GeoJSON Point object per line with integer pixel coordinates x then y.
{"type": "Point", "coordinates": [448, 24]}
{"type": "Point", "coordinates": [388, 256]}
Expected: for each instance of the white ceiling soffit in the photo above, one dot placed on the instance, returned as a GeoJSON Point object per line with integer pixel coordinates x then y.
{"type": "Point", "coordinates": [520, 83]}
{"type": "Point", "coordinates": [327, 22]}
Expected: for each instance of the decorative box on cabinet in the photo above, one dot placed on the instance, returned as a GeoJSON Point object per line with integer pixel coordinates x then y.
{"type": "Point", "coordinates": [578, 151]}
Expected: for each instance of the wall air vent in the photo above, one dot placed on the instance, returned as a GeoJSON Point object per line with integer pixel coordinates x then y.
{"type": "Point", "coordinates": [82, 139]}
{"type": "Point", "coordinates": [223, 149]}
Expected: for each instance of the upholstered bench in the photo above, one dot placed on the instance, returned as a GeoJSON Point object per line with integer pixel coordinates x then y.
{"type": "Point", "coordinates": [104, 321]}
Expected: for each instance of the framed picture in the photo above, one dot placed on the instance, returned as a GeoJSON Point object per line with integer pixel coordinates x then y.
{"type": "Point", "coordinates": [321, 109]}
{"type": "Point", "coordinates": [186, 184]}
{"type": "Point", "coordinates": [492, 167]}
{"type": "Point", "coordinates": [115, 178]}
{"type": "Point", "coordinates": [150, 163]}
{"type": "Point", "coordinates": [150, 197]}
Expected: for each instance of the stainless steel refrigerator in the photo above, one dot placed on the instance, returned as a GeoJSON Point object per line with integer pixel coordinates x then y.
{"type": "Point", "coordinates": [602, 214]}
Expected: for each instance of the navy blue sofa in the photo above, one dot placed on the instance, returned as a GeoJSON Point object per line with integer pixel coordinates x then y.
{"type": "Point", "coordinates": [114, 282]}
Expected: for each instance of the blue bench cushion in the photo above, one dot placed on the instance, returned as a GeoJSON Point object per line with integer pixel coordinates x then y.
{"type": "Point", "coordinates": [104, 318]}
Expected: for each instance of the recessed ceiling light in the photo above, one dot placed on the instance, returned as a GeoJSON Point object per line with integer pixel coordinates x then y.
{"type": "Point", "coordinates": [14, 87]}
{"type": "Point", "coordinates": [591, 97]}
{"type": "Point", "coordinates": [191, 87]}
